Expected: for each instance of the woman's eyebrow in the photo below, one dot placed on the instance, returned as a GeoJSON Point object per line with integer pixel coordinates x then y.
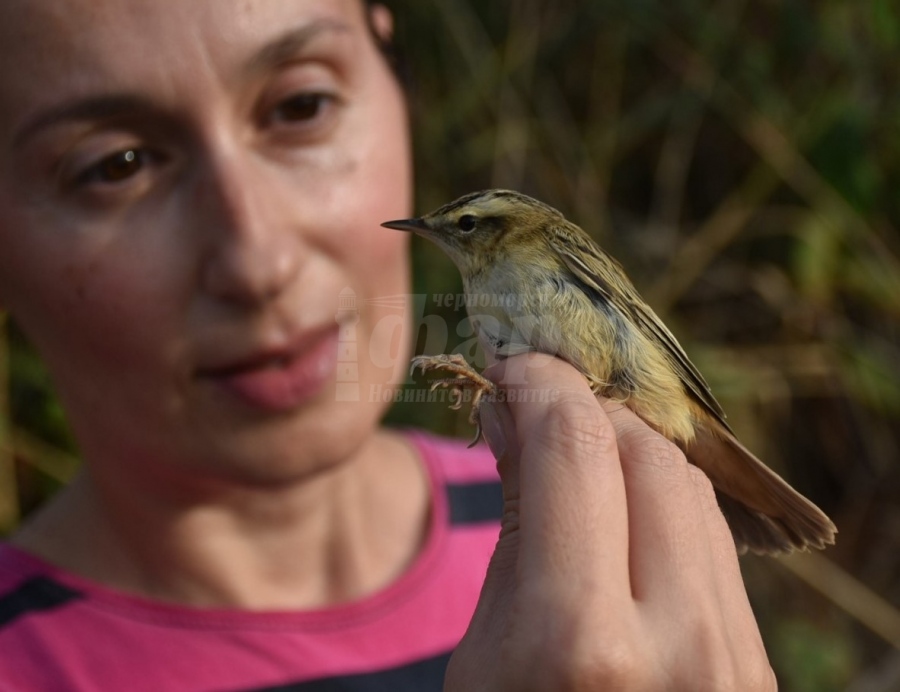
{"type": "Point", "coordinates": [288, 45]}
{"type": "Point", "coordinates": [102, 107]}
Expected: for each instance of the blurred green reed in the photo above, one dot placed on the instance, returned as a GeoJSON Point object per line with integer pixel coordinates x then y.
{"type": "Point", "coordinates": [741, 160]}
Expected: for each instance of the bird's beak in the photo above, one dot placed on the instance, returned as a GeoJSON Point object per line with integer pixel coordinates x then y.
{"type": "Point", "coordinates": [414, 225]}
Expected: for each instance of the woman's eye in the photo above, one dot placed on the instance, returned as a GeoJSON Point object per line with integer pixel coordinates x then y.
{"type": "Point", "coordinates": [114, 168]}
{"type": "Point", "coordinates": [301, 107]}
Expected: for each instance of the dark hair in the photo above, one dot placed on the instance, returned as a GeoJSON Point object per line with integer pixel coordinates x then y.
{"type": "Point", "coordinates": [387, 48]}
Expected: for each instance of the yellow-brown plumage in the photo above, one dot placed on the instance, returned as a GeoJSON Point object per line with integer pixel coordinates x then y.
{"type": "Point", "coordinates": [549, 287]}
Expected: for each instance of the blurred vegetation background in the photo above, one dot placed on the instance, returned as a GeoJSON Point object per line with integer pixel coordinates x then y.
{"type": "Point", "coordinates": [741, 160]}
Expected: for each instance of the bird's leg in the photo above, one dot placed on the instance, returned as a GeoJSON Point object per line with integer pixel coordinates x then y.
{"type": "Point", "coordinates": [465, 378]}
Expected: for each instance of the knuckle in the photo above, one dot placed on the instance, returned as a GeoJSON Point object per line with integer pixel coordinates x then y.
{"type": "Point", "coordinates": [719, 530]}
{"type": "Point", "coordinates": [618, 669]}
{"type": "Point", "coordinates": [756, 672]}
{"type": "Point", "coordinates": [703, 486]}
{"type": "Point", "coordinates": [646, 449]}
{"type": "Point", "coordinates": [717, 662]}
{"type": "Point", "coordinates": [765, 680]}
{"type": "Point", "coordinates": [711, 665]}
{"type": "Point", "coordinates": [571, 658]}
{"type": "Point", "coordinates": [573, 428]}
{"type": "Point", "coordinates": [614, 666]}
{"type": "Point", "coordinates": [718, 670]}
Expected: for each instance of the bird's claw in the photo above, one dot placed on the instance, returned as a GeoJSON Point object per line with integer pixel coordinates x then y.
{"type": "Point", "coordinates": [465, 378]}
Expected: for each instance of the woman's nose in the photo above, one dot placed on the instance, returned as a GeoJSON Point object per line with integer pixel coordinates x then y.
{"type": "Point", "coordinates": [253, 247]}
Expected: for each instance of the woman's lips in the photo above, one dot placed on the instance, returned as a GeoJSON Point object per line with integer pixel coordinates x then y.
{"type": "Point", "coordinates": [280, 382]}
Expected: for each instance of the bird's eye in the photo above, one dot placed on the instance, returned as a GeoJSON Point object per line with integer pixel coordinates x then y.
{"type": "Point", "coordinates": [467, 223]}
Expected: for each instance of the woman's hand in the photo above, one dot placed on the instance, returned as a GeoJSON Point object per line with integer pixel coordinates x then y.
{"type": "Point", "coordinates": [615, 569]}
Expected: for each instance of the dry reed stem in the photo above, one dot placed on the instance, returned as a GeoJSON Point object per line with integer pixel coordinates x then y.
{"type": "Point", "coordinates": [847, 592]}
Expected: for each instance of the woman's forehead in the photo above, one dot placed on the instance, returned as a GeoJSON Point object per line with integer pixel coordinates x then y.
{"type": "Point", "coordinates": [37, 27]}
{"type": "Point", "coordinates": [49, 48]}
{"type": "Point", "coordinates": [120, 33]}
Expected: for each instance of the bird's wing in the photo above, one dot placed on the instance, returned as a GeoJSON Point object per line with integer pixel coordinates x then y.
{"type": "Point", "coordinates": [598, 272]}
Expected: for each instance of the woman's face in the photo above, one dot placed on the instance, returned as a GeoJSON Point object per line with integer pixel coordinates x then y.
{"type": "Point", "coordinates": [186, 188]}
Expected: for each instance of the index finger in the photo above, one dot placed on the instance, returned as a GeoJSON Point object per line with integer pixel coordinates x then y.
{"type": "Point", "coordinates": [573, 515]}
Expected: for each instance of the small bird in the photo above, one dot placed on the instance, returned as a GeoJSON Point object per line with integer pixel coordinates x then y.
{"type": "Point", "coordinates": [544, 285]}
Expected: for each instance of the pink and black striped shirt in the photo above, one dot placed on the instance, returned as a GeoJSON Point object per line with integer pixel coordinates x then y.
{"type": "Point", "coordinates": [60, 632]}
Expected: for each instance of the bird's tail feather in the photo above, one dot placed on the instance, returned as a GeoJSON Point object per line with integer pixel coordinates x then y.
{"type": "Point", "coordinates": [765, 514]}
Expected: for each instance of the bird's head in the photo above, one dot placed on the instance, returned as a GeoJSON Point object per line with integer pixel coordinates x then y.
{"type": "Point", "coordinates": [476, 228]}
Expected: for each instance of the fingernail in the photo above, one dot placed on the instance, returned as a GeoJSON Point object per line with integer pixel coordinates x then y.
{"type": "Point", "coordinates": [492, 429]}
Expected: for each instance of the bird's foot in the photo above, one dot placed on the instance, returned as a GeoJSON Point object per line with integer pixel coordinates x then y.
{"type": "Point", "coordinates": [465, 378]}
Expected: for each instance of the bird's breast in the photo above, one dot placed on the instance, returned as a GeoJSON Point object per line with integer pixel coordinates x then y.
{"type": "Point", "coordinates": [515, 312]}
